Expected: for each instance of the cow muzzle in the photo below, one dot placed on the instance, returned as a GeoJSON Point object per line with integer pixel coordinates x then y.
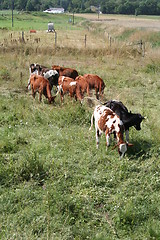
{"type": "Point", "coordinates": [122, 148]}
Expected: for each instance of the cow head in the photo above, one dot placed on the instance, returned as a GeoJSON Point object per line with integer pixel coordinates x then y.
{"type": "Point", "coordinates": [138, 121]}
{"type": "Point", "coordinates": [32, 67]}
{"type": "Point", "coordinates": [122, 148]}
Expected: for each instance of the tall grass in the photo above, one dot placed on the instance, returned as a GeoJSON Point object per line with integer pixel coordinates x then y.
{"type": "Point", "coordinates": [54, 183]}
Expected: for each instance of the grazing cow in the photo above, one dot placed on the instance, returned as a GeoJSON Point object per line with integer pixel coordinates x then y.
{"type": "Point", "coordinates": [68, 72]}
{"type": "Point", "coordinates": [51, 75]}
{"type": "Point", "coordinates": [40, 84]}
{"type": "Point", "coordinates": [129, 119]}
{"type": "Point", "coordinates": [108, 122]}
{"type": "Point", "coordinates": [84, 86]}
{"type": "Point", "coordinates": [69, 85]}
{"type": "Point", "coordinates": [95, 82]}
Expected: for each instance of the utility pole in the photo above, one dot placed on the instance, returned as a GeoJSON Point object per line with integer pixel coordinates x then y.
{"type": "Point", "coordinates": [12, 11]}
{"type": "Point", "coordinates": [98, 11]}
{"type": "Point", "coordinates": [73, 18]}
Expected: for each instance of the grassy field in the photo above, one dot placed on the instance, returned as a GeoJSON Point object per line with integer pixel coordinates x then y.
{"type": "Point", "coordinates": [54, 183]}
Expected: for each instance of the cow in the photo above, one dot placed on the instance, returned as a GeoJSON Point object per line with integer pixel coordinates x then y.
{"type": "Point", "coordinates": [129, 119]}
{"type": "Point", "coordinates": [95, 82]}
{"type": "Point", "coordinates": [50, 74]}
{"type": "Point", "coordinates": [83, 84]}
{"type": "Point", "coordinates": [41, 85]}
{"type": "Point", "coordinates": [69, 85]}
{"type": "Point", "coordinates": [108, 122]}
{"type": "Point", "coordinates": [67, 72]}
{"type": "Point", "coordinates": [36, 68]}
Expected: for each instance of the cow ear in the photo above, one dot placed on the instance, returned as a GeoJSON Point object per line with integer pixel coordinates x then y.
{"type": "Point", "coordinates": [130, 145]}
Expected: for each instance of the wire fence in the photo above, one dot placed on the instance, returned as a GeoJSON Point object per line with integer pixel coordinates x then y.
{"type": "Point", "coordinates": [73, 39]}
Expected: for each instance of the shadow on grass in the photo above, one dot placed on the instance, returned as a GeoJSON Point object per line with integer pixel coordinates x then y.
{"type": "Point", "coordinates": [141, 150]}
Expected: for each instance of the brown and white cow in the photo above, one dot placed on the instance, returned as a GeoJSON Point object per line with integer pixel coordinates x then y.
{"type": "Point", "coordinates": [69, 85]}
{"type": "Point", "coordinates": [95, 82]}
{"type": "Point", "coordinates": [108, 122]}
{"type": "Point", "coordinates": [41, 85]}
{"type": "Point", "coordinates": [63, 71]}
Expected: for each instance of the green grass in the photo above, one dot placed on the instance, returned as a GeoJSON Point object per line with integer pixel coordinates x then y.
{"type": "Point", "coordinates": [54, 183]}
{"type": "Point", "coordinates": [37, 21]}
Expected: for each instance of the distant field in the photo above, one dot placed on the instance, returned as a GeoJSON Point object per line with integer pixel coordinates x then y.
{"type": "Point", "coordinates": [38, 21]}
{"type": "Point", "coordinates": [146, 22]}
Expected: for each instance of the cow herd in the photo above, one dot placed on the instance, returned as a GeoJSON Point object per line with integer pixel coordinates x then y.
{"type": "Point", "coordinates": [66, 80]}
{"type": "Point", "coordinates": [110, 117]}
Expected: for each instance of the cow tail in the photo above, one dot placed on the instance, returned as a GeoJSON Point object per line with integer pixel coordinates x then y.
{"type": "Point", "coordinates": [91, 122]}
{"type": "Point", "coordinates": [79, 93]}
{"type": "Point", "coordinates": [59, 89]}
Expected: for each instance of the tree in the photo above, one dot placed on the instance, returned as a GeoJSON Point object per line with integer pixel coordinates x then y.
{"type": "Point", "coordinates": [20, 4]}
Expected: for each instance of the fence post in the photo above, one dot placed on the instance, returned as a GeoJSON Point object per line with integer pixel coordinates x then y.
{"type": "Point", "coordinates": [141, 44]}
{"type": "Point", "coordinates": [22, 36]}
{"type": "Point", "coordinates": [108, 37]}
{"type": "Point", "coordinates": [55, 39]}
{"type": "Point", "coordinates": [85, 40]}
{"type": "Point", "coordinates": [110, 41]}
{"type": "Point", "coordinates": [143, 50]}
{"type": "Point", "coordinates": [21, 75]}
{"type": "Point", "coordinates": [73, 18]}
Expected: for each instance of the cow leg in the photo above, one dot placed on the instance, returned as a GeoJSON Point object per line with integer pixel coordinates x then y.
{"type": "Point", "coordinates": [88, 93]}
{"type": "Point", "coordinates": [29, 85]}
{"type": "Point", "coordinates": [107, 138]}
{"type": "Point", "coordinates": [61, 94]}
{"type": "Point", "coordinates": [33, 93]}
{"type": "Point", "coordinates": [71, 95]}
{"type": "Point", "coordinates": [97, 138]}
{"type": "Point", "coordinates": [96, 91]}
{"type": "Point", "coordinates": [75, 97]}
{"type": "Point", "coordinates": [127, 136]}
{"type": "Point", "coordinates": [40, 96]}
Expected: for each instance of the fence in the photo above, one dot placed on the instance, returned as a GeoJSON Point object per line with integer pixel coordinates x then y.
{"type": "Point", "coordinates": [74, 39]}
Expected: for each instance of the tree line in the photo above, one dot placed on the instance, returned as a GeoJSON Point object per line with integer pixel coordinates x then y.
{"type": "Point", "coordinates": [137, 7]}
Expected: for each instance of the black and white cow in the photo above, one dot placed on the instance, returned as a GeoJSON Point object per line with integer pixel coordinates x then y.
{"type": "Point", "coordinates": [129, 119]}
{"type": "Point", "coordinates": [51, 75]}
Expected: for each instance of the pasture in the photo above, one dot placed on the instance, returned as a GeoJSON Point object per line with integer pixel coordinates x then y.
{"type": "Point", "coordinates": [54, 183]}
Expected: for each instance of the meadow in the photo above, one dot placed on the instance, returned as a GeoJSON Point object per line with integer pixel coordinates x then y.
{"type": "Point", "coordinates": [54, 183]}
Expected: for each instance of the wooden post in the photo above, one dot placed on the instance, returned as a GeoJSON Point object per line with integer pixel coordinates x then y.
{"type": "Point", "coordinates": [55, 39]}
{"type": "Point", "coordinates": [73, 19]}
{"type": "Point", "coordinates": [110, 41]}
{"type": "Point", "coordinates": [85, 40]}
{"type": "Point", "coordinates": [21, 75]}
{"type": "Point", "coordinates": [22, 36]}
{"type": "Point", "coordinates": [143, 50]}
{"type": "Point", "coordinates": [12, 11]}
{"type": "Point", "coordinates": [108, 38]}
{"type": "Point", "coordinates": [141, 44]}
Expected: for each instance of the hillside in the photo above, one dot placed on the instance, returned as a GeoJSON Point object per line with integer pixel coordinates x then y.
{"type": "Point", "coordinates": [54, 183]}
